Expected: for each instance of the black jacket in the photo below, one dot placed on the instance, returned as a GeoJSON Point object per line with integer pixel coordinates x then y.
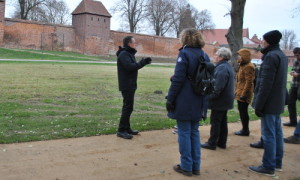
{"type": "Point", "coordinates": [223, 96]}
{"type": "Point", "coordinates": [188, 106]}
{"type": "Point", "coordinates": [270, 90]}
{"type": "Point", "coordinates": [127, 68]}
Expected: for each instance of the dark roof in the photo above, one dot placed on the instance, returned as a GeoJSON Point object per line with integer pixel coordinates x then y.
{"type": "Point", "coordinates": [91, 7]}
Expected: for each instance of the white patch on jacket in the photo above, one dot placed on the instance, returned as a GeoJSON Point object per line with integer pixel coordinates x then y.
{"type": "Point", "coordinates": [179, 59]}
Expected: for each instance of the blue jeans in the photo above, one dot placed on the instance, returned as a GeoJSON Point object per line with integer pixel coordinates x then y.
{"type": "Point", "coordinates": [189, 145]}
{"type": "Point", "coordinates": [297, 131]}
{"type": "Point", "coordinates": [273, 141]}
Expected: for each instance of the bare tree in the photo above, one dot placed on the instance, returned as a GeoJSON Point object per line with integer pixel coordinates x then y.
{"type": "Point", "coordinates": [289, 40]}
{"type": "Point", "coordinates": [296, 10]}
{"type": "Point", "coordinates": [50, 11]}
{"type": "Point", "coordinates": [186, 18]}
{"type": "Point", "coordinates": [25, 6]}
{"type": "Point", "coordinates": [55, 11]}
{"type": "Point", "coordinates": [132, 10]}
{"type": "Point", "coordinates": [159, 15]}
{"type": "Point", "coordinates": [176, 13]}
{"type": "Point", "coordinates": [203, 20]}
{"type": "Point", "coordinates": [235, 33]}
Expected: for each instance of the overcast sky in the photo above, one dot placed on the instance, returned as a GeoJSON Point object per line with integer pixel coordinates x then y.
{"type": "Point", "coordinates": [260, 15]}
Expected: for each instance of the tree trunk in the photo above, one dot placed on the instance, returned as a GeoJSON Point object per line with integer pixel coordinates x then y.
{"type": "Point", "coordinates": [235, 32]}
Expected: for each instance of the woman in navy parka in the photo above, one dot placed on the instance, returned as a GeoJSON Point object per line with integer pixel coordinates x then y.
{"type": "Point", "coordinates": [184, 105]}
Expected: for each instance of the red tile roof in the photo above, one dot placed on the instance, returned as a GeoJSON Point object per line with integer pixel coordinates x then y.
{"type": "Point", "coordinates": [91, 7]}
{"type": "Point", "coordinates": [218, 35]}
{"type": "Point", "coordinates": [256, 40]}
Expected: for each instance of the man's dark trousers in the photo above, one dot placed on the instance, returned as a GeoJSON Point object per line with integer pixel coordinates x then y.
{"type": "Point", "coordinates": [292, 105]}
{"type": "Point", "coordinates": [128, 102]}
{"type": "Point", "coordinates": [219, 128]}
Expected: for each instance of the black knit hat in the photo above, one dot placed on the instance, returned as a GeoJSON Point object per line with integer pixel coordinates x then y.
{"type": "Point", "coordinates": [272, 37]}
{"type": "Point", "coordinates": [296, 50]}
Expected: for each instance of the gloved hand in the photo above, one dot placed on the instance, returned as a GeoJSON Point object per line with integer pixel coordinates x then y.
{"type": "Point", "coordinates": [243, 98]}
{"type": "Point", "coordinates": [171, 78]}
{"type": "Point", "coordinates": [258, 113]}
{"type": "Point", "coordinates": [170, 106]}
{"type": "Point", "coordinates": [148, 60]}
{"type": "Point", "coordinates": [145, 61]}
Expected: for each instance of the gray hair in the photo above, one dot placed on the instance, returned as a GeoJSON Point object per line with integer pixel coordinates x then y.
{"type": "Point", "coordinates": [224, 53]}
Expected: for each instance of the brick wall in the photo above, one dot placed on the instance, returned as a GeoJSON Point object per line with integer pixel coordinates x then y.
{"type": "Point", "coordinates": [92, 33]}
{"type": "Point", "coordinates": [2, 13]}
{"type": "Point", "coordinates": [35, 35]}
{"type": "Point", "coordinates": [154, 46]}
{"type": "Point", "coordinates": [2, 10]}
{"type": "Point", "coordinates": [1, 33]}
{"type": "Point", "coordinates": [146, 45]}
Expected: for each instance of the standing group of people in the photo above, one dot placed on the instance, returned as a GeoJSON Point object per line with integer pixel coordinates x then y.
{"type": "Point", "coordinates": [188, 109]}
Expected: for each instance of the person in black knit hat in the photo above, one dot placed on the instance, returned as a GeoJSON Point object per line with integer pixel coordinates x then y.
{"type": "Point", "coordinates": [272, 38]}
{"type": "Point", "coordinates": [269, 101]}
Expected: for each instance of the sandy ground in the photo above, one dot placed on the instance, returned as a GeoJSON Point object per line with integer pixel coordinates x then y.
{"type": "Point", "coordinates": [150, 155]}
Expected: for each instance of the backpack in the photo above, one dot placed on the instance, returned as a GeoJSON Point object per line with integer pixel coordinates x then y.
{"type": "Point", "coordinates": [202, 79]}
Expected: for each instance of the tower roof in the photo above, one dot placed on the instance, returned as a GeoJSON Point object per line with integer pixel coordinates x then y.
{"type": "Point", "coordinates": [91, 7]}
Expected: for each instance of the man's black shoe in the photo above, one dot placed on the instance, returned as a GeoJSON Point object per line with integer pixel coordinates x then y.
{"type": "Point", "coordinates": [292, 140]}
{"type": "Point", "coordinates": [242, 133]}
{"type": "Point", "coordinates": [197, 173]}
{"type": "Point", "coordinates": [124, 135]}
{"type": "Point", "coordinates": [208, 146]}
{"type": "Point", "coordinates": [290, 124]}
{"type": "Point", "coordinates": [221, 146]}
{"type": "Point", "coordinates": [258, 145]}
{"type": "Point", "coordinates": [178, 169]}
{"type": "Point", "coordinates": [262, 170]}
{"type": "Point", "coordinates": [133, 132]}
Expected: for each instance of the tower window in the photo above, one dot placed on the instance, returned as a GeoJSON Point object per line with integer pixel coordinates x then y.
{"type": "Point", "coordinates": [92, 18]}
{"type": "Point", "coordinates": [104, 20]}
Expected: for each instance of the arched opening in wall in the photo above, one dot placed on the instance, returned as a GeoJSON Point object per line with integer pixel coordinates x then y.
{"type": "Point", "coordinates": [104, 20]}
{"type": "Point", "coordinates": [92, 18]}
{"type": "Point", "coordinates": [98, 19]}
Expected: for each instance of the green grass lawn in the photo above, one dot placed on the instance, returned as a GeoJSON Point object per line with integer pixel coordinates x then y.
{"type": "Point", "coordinates": [43, 100]}
{"type": "Point", "coordinates": [48, 55]}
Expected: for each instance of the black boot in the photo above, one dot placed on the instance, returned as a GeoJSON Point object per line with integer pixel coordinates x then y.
{"type": "Point", "coordinates": [242, 133]}
{"type": "Point", "coordinates": [258, 145]}
{"type": "Point", "coordinates": [290, 124]}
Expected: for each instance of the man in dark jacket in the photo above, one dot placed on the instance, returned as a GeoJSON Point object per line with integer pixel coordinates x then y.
{"type": "Point", "coordinates": [127, 77]}
{"type": "Point", "coordinates": [269, 101]}
{"type": "Point", "coordinates": [221, 100]}
{"type": "Point", "coordinates": [295, 73]}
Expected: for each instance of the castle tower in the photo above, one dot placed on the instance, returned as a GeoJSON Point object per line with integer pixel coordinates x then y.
{"type": "Point", "coordinates": [2, 16]}
{"type": "Point", "coordinates": [91, 22]}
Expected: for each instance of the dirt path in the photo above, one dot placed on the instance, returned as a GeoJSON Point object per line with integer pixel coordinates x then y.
{"type": "Point", "coordinates": [150, 155]}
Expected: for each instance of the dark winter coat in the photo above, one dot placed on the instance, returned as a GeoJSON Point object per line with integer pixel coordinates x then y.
{"type": "Point", "coordinates": [223, 96]}
{"type": "Point", "coordinates": [245, 81]}
{"type": "Point", "coordinates": [188, 106]}
{"type": "Point", "coordinates": [127, 68]}
{"type": "Point", "coordinates": [270, 90]}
